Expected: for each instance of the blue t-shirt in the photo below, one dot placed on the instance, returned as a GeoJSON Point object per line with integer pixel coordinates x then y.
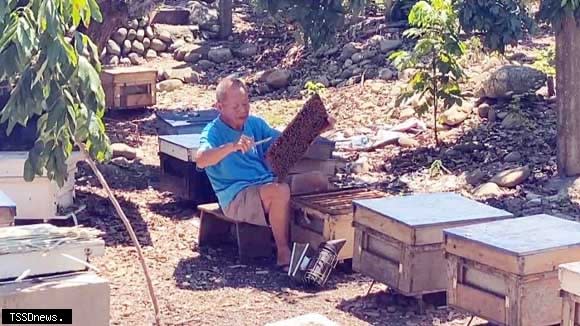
{"type": "Point", "coordinates": [238, 170]}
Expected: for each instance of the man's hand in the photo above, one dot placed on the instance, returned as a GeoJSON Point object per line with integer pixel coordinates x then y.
{"type": "Point", "coordinates": [244, 144]}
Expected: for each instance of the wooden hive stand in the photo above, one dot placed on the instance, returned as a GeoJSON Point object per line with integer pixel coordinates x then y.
{"type": "Point", "coordinates": [327, 216]}
{"type": "Point", "coordinates": [129, 87]}
{"type": "Point", "coordinates": [507, 271]}
{"type": "Point", "coordinates": [253, 241]}
{"type": "Point", "coordinates": [569, 275]}
{"type": "Point", "coordinates": [399, 240]}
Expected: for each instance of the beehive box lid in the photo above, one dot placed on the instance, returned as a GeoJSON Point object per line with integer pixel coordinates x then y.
{"type": "Point", "coordinates": [128, 70]}
{"type": "Point", "coordinates": [188, 118]}
{"type": "Point", "coordinates": [5, 201]}
{"type": "Point", "coordinates": [569, 275]}
{"type": "Point", "coordinates": [420, 218]}
{"type": "Point", "coordinates": [525, 245]}
{"type": "Point", "coordinates": [183, 147]}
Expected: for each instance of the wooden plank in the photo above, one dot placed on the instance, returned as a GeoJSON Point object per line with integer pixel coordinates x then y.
{"type": "Point", "coordinates": [484, 255]}
{"type": "Point", "coordinates": [342, 229]}
{"type": "Point", "coordinates": [550, 260]}
{"type": "Point", "coordinates": [386, 226]}
{"type": "Point", "coordinates": [379, 269]}
{"type": "Point", "coordinates": [434, 233]}
{"type": "Point", "coordinates": [453, 278]}
{"type": "Point", "coordinates": [486, 305]}
{"type": "Point", "coordinates": [427, 270]}
{"type": "Point", "coordinates": [174, 150]}
{"type": "Point", "coordinates": [487, 280]}
{"type": "Point", "coordinates": [540, 301]}
{"type": "Point", "coordinates": [568, 311]}
{"type": "Point", "coordinates": [254, 241]}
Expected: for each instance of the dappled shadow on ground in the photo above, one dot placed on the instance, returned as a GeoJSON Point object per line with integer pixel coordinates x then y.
{"type": "Point", "coordinates": [218, 267]}
{"type": "Point", "coordinates": [378, 307]}
{"type": "Point", "coordinates": [100, 213]}
{"type": "Point", "coordinates": [174, 208]}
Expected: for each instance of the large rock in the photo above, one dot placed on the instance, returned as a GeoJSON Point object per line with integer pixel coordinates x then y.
{"type": "Point", "coordinates": [150, 54]}
{"type": "Point", "coordinates": [113, 48]}
{"type": "Point", "coordinates": [146, 42]}
{"type": "Point", "coordinates": [202, 15]}
{"type": "Point", "coordinates": [220, 55]}
{"type": "Point", "coordinates": [389, 45]}
{"type": "Point", "coordinates": [131, 34]}
{"type": "Point", "coordinates": [140, 34]}
{"type": "Point", "coordinates": [176, 45]}
{"type": "Point", "coordinates": [127, 45]}
{"type": "Point", "coordinates": [169, 85]}
{"type": "Point", "coordinates": [123, 150]}
{"type": "Point", "coordinates": [164, 36]}
{"type": "Point", "coordinates": [488, 189]}
{"type": "Point", "coordinates": [158, 45]}
{"type": "Point", "coordinates": [406, 141]}
{"type": "Point", "coordinates": [386, 74]}
{"type": "Point", "coordinates": [186, 75]}
{"type": "Point", "coordinates": [453, 117]}
{"type": "Point", "coordinates": [149, 32]}
{"type": "Point", "coordinates": [512, 177]}
{"type": "Point", "coordinates": [512, 120]}
{"type": "Point", "coordinates": [348, 50]}
{"type": "Point", "coordinates": [133, 23]}
{"type": "Point", "coordinates": [510, 80]}
{"type": "Point", "coordinates": [137, 47]}
{"type": "Point", "coordinates": [205, 64]}
{"type": "Point", "coordinates": [276, 78]}
{"type": "Point", "coordinates": [245, 50]}
{"type": "Point", "coordinates": [192, 57]}
{"type": "Point", "coordinates": [120, 35]}
{"type": "Point", "coordinates": [135, 58]}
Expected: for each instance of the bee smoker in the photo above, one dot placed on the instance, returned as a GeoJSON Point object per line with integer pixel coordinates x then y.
{"type": "Point", "coordinates": [313, 267]}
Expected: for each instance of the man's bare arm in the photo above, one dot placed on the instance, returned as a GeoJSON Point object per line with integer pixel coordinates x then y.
{"type": "Point", "coordinates": [213, 156]}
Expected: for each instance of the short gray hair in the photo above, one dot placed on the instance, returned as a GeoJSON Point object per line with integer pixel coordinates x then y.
{"type": "Point", "coordinates": [226, 84]}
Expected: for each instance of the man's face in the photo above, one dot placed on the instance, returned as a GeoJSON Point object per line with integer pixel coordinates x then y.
{"type": "Point", "coordinates": [235, 107]}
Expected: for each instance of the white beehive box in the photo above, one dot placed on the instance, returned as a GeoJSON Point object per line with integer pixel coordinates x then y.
{"type": "Point", "coordinates": [40, 198]}
{"type": "Point", "coordinates": [86, 294]}
{"type": "Point", "coordinates": [43, 249]}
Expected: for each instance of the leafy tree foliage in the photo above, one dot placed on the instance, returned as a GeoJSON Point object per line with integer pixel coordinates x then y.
{"type": "Point", "coordinates": [54, 70]}
{"type": "Point", "coordinates": [434, 57]}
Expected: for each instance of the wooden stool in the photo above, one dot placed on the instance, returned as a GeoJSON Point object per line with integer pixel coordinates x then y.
{"type": "Point", "coordinates": [569, 275]}
{"type": "Point", "coordinates": [507, 271]}
{"type": "Point", "coordinates": [253, 241]}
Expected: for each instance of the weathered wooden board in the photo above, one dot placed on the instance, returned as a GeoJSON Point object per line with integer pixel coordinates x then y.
{"type": "Point", "coordinates": [569, 276]}
{"type": "Point", "coordinates": [506, 245]}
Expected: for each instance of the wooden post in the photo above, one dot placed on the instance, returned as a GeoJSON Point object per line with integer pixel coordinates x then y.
{"type": "Point", "coordinates": [226, 25]}
{"type": "Point", "coordinates": [568, 97]}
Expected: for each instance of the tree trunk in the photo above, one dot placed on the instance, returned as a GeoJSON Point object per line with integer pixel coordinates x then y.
{"type": "Point", "coordinates": [113, 18]}
{"type": "Point", "coordinates": [226, 24]}
{"type": "Point", "coordinates": [568, 97]}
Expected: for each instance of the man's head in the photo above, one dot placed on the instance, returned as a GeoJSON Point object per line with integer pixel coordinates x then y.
{"type": "Point", "coordinates": [233, 102]}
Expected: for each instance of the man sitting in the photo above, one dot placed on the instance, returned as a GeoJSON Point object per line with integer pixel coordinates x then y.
{"type": "Point", "coordinates": [246, 188]}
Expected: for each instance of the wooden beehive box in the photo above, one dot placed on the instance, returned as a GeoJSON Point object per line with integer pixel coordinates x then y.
{"type": "Point", "coordinates": [399, 240]}
{"type": "Point", "coordinates": [184, 122]}
{"type": "Point", "coordinates": [129, 87]}
{"type": "Point", "coordinates": [327, 216]}
{"type": "Point", "coordinates": [7, 210]}
{"type": "Point", "coordinates": [179, 173]}
{"type": "Point", "coordinates": [569, 275]}
{"type": "Point", "coordinates": [507, 271]}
